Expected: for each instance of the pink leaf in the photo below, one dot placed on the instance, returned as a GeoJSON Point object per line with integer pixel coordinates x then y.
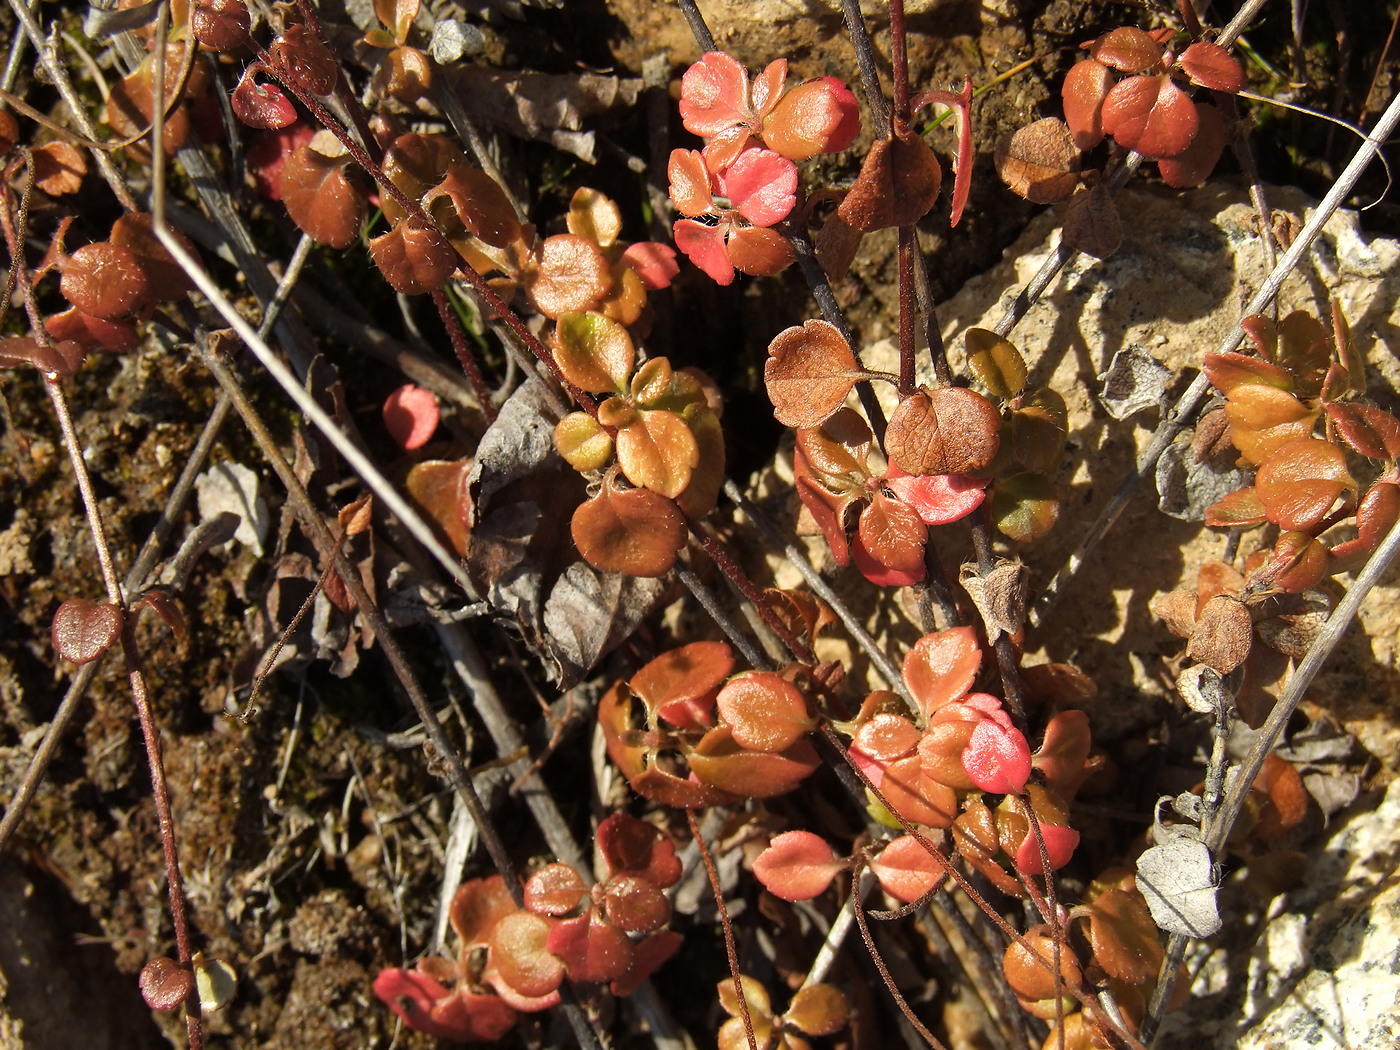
{"type": "Point", "coordinates": [426, 1006]}
{"type": "Point", "coordinates": [881, 574]}
{"type": "Point", "coordinates": [905, 869]}
{"type": "Point", "coordinates": [714, 95]}
{"type": "Point", "coordinates": [1086, 86]}
{"type": "Point", "coordinates": [997, 758]}
{"type": "Point", "coordinates": [941, 666]}
{"type": "Point", "coordinates": [691, 189]}
{"type": "Point", "coordinates": [762, 185]}
{"type": "Point", "coordinates": [880, 741]}
{"type": "Point", "coordinates": [938, 498]}
{"type": "Point", "coordinates": [820, 116]}
{"type": "Point", "coordinates": [592, 949]}
{"type": "Point", "coordinates": [1060, 843]}
{"type": "Point", "coordinates": [704, 246]}
{"type": "Point", "coordinates": [654, 262]}
{"type": "Point", "coordinates": [411, 416]}
{"type": "Point", "coordinates": [797, 866]}
{"type": "Point", "coordinates": [768, 86]}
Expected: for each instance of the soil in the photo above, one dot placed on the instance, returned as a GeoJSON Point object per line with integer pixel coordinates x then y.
{"type": "Point", "coordinates": [312, 831]}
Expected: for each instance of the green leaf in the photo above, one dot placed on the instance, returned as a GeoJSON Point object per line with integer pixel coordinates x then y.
{"type": "Point", "coordinates": [997, 364]}
{"type": "Point", "coordinates": [1025, 506]}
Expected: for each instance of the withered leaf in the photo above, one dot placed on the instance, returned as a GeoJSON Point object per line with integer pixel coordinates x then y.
{"type": "Point", "coordinates": [897, 185]}
{"type": "Point", "coordinates": [1039, 162]}
{"type": "Point", "coordinates": [84, 630]}
{"type": "Point", "coordinates": [809, 372]}
{"type": "Point", "coordinates": [950, 430]}
{"type": "Point", "coordinates": [521, 498]}
{"type": "Point", "coordinates": [1223, 634]}
{"type": "Point", "coordinates": [1000, 595]}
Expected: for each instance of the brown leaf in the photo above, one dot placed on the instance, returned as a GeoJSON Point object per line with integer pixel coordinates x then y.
{"type": "Point", "coordinates": [1000, 595]}
{"type": "Point", "coordinates": [59, 168]}
{"type": "Point", "coordinates": [83, 630]}
{"type": "Point", "coordinates": [1222, 635]}
{"type": "Point", "coordinates": [105, 280]}
{"type": "Point", "coordinates": [438, 488]}
{"type": "Point", "coordinates": [629, 531]}
{"type": "Point", "coordinates": [809, 373]}
{"type": "Point", "coordinates": [319, 197]}
{"type": "Point", "coordinates": [950, 430]}
{"type": "Point", "coordinates": [570, 275]}
{"type": "Point", "coordinates": [1039, 162]}
{"type": "Point", "coordinates": [167, 278]}
{"type": "Point", "coordinates": [414, 259]}
{"type": "Point", "coordinates": [165, 984]}
{"type": "Point", "coordinates": [897, 185]}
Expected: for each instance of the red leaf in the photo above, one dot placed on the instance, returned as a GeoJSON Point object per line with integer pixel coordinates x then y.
{"type": "Point", "coordinates": [83, 630]}
{"type": "Point", "coordinates": [414, 259]}
{"type": "Point", "coordinates": [629, 845]}
{"type": "Point", "coordinates": [1301, 482]}
{"type": "Point", "coordinates": [1373, 432]}
{"type": "Point", "coordinates": [319, 197]}
{"type": "Point", "coordinates": [906, 870]}
{"type": "Point", "coordinates": [1150, 115]}
{"type": "Point", "coordinates": [1127, 49]}
{"type": "Point", "coordinates": [797, 866]}
{"type": "Point", "coordinates": [938, 498]}
{"type": "Point", "coordinates": [1211, 66]}
{"type": "Point", "coordinates": [165, 984]}
{"type": "Point", "coordinates": [1086, 86]}
{"type": "Point", "coordinates": [1193, 165]}
{"type": "Point", "coordinates": [261, 105]}
{"type": "Point", "coordinates": [105, 280]}
{"type": "Point", "coordinates": [888, 547]}
{"type": "Point", "coordinates": [411, 416]}
{"type": "Point", "coordinates": [680, 685]}
{"type": "Point", "coordinates": [655, 263]}
{"type": "Point", "coordinates": [1060, 844]}
{"type": "Point", "coordinates": [592, 949]}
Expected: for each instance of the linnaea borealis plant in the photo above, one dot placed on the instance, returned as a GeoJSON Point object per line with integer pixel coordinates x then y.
{"type": "Point", "coordinates": [1325, 478]}
{"type": "Point", "coordinates": [513, 960]}
{"type": "Point", "coordinates": [744, 182]}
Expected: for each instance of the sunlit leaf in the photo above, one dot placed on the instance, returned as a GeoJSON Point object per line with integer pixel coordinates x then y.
{"type": "Point", "coordinates": [996, 362]}
{"type": "Point", "coordinates": [1301, 482]}
{"type": "Point", "coordinates": [809, 373]}
{"type": "Point", "coordinates": [414, 259]}
{"type": "Point", "coordinates": [319, 197]}
{"type": "Point", "coordinates": [1039, 162]}
{"type": "Point", "coordinates": [905, 869]}
{"type": "Point", "coordinates": [594, 353]}
{"type": "Point", "coordinates": [438, 488]}
{"type": "Point", "coordinates": [657, 451]}
{"type": "Point", "coordinates": [569, 275]}
{"type": "Point", "coordinates": [764, 711]}
{"type": "Point", "coordinates": [83, 630]}
{"type": "Point", "coordinates": [950, 430]}
{"type": "Point", "coordinates": [1086, 85]}
{"type": "Point", "coordinates": [941, 666]}
{"type": "Point", "coordinates": [1123, 936]}
{"type": "Point", "coordinates": [519, 951]}
{"type": "Point", "coordinates": [1025, 506]}
{"type": "Point", "coordinates": [1127, 49]}
{"type": "Point", "coordinates": [1211, 66]}
{"type": "Point", "coordinates": [719, 761]}
{"type": "Point", "coordinates": [105, 280]}
{"type": "Point", "coordinates": [897, 185]}
{"type": "Point", "coordinates": [1223, 634]}
{"type": "Point", "coordinates": [631, 531]}
{"type": "Point", "coordinates": [483, 208]}
{"type": "Point", "coordinates": [1151, 115]}
{"type": "Point", "coordinates": [797, 866]}
{"type": "Point", "coordinates": [165, 984]}
{"type": "Point", "coordinates": [1193, 165]}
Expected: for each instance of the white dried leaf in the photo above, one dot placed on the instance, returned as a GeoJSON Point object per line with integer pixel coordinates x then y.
{"type": "Point", "coordinates": [1200, 686]}
{"type": "Point", "coordinates": [1000, 596]}
{"type": "Point", "coordinates": [1175, 878]}
{"type": "Point", "coordinates": [1135, 380]}
{"type": "Point", "coordinates": [453, 39]}
{"type": "Point", "coordinates": [231, 488]}
{"type": "Point", "coordinates": [216, 981]}
{"type": "Point", "coordinates": [1186, 489]}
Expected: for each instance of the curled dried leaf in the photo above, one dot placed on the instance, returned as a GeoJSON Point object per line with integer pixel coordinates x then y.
{"type": "Point", "coordinates": [897, 185]}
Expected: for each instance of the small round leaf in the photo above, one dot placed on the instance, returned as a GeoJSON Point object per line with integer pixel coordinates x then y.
{"type": "Point", "coordinates": [83, 630]}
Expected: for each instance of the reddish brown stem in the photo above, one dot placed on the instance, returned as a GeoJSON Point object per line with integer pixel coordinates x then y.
{"type": "Point", "coordinates": [465, 355]}
{"type": "Point", "coordinates": [729, 949]}
{"type": "Point", "coordinates": [907, 309]}
{"type": "Point", "coordinates": [899, 62]}
{"type": "Point", "coordinates": [749, 590]}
